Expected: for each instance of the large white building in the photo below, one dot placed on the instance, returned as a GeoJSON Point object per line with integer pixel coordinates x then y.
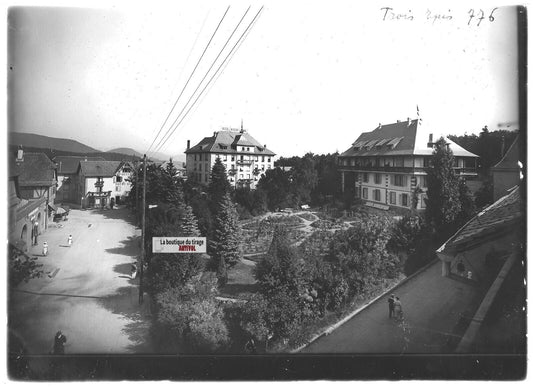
{"type": "Point", "coordinates": [387, 166]}
{"type": "Point", "coordinates": [245, 159]}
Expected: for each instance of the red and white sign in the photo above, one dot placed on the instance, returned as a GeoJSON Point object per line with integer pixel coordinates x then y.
{"type": "Point", "coordinates": [178, 245]}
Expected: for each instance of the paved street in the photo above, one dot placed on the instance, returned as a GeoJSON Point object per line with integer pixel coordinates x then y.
{"type": "Point", "coordinates": [432, 305]}
{"type": "Point", "coordinates": [87, 291]}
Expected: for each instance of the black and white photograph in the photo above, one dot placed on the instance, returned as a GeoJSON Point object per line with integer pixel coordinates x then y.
{"type": "Point", "coordinates": [276, 190]}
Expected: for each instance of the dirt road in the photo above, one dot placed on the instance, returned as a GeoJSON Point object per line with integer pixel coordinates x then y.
{"type": "Point", "coordinates": [87, 291]}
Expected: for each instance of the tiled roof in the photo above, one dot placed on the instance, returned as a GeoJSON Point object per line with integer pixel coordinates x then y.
{"type": "Point", "coordinates": [36, 170]}
{"type": "Point", "coordinates": [222, 141]}
{"type": "Point", "coordinates": [400, 138]}
{"type": "Point", "coordinates": [69, 164]}
{"type": "Point", "coordinates": [99, 168]}
{"type": "Point", "coordinates": [496, 218]}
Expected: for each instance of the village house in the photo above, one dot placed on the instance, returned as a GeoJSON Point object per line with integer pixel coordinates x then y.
{"type": "Point", "coordinates": [245, 159]}
{"type": "Point", "coordinates": [67, 177]}
{"type": "Point", "coordinates": [102, 184]}
{"type": "Point", "coordinates": [31, 193]}
{"type": "Point", "coordinates": [387, 166]}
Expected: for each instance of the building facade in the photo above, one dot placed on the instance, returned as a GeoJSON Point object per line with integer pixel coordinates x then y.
{"type": "Point", "coordinates": [67, 177]}
{"type": "Point", "coordinates": [245, 159]}
{"type": "Point", "coordinates": [387, 166]}
{"type": "Point", "coordinates": [102, 184]}
{"type": "Point", "coordinates": [31, 192]}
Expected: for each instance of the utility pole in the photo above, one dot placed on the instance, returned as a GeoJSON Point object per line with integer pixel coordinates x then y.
{"type": "Point", "coordinates": [137, 192]}
{"type": "Point", "coordinates": [141, 267]}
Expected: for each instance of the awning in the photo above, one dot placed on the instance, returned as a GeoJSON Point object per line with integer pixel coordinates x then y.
{"type": "Point", "coordinates": [61, 211]}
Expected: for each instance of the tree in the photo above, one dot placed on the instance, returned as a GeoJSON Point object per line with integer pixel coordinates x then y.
{"type": "Point", "coordinates": [191, 316]}
{"type": "Point", "coordinates": [468, 208]}
{"type": "Point", "coordinates": [304, 179]}
{"type": "Point", "coordinates": [276, 184]}
{"type": "Point", "coordinates": [218, 185]}
{"type": "Point", "coordinates": [281, 268]}
{"type": "Point", "coordinates": [22, 267]}
{"type": "Point", "coordinates": [443, 197]}
{"type": "Point", "coordinates": [225, 247]}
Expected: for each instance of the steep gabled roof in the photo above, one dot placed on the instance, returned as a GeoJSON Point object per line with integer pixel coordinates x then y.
{"type": "Point", "coordinates": [510, 159]}
{"type": "Point", "coordinates": [69, 164]}
{"type": "Point", "coordinates": [398, 139]}
{"type": "Point", "coordinates": [225, 141]}
{"type": "Point", "coordinates": [36, 170]}
{"type": "Point", "coordinates": [99, 168]}
{"type": "Point", "coordinates": [496, 218]}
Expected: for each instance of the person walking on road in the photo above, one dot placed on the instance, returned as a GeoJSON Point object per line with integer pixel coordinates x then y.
{"type": "Point", "coordinates": [59, 343]}
{"type": "Point", "coordinates": [133, 271]}
{"type": "Point", "coordinates": [45, 249]}
{"type": "Point", "coordinates": [398, 313]}
{"type": "Point", "coordinates": [70, 240]}
{"type": "Point", "coordinates": [391, 305]}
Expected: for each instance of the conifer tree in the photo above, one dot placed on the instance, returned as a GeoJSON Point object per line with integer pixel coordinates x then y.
{"type": "Point", "coordinates": [226, 249]}
{"type": "Point", "coordinates": [218, 185]}
{"type": "Point", "coordinates": [443, 204]}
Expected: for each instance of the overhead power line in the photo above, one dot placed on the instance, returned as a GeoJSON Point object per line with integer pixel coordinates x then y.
{"type": "Point", "coordinates": [204, 77]}
{"type": "Point", "coordinates": [214, 75]}
{"type": "Point", "coordinates": [188, 80]}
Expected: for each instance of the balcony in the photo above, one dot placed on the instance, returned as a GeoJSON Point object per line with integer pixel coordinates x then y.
{"type": "Point", "coordinates": [360, 168]}
{"type": "Point", "coordinates": [244, 162]}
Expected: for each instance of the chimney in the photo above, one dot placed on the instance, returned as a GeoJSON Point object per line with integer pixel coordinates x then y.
{"type": "Point", "coordinates": [20, 154]}
{"type": "Point", "coordinates": [503, 146]}
{"type": "Point", "coordinates": [188, 144]}
{"type": "Point", "coordinates": [264, 146]}
{"type": "Point", "coordinates": [430, 141]}
{"type": "Point", "coordinates": [408, 121]}
{"type": "Point", "coordinates": [379, 126]}
{"type": "Point", "coordinates": [398, 121]}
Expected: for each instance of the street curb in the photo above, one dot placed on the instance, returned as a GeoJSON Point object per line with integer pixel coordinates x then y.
{"type": "Point", "coordinates": [331, 328]}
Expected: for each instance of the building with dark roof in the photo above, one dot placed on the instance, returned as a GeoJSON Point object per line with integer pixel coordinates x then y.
{"type": "Point", "coordinates": [31, 192]}
{"type": "Point", "coordinates": [488, 253]}
{"type": "Point", "coordinates": [387, 166]}
{"type": "Point", "coordinates": [506, 173]}
{"type": "Point", "coordinates": [67, 182]}
{"type": "Point", "coordinates": [102, 184]}
{"type": "Point", "coordinates": [245, 159]}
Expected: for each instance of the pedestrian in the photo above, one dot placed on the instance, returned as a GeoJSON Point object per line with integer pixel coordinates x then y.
{"type": "Point", "coordinates": [133, 271]}
{"type": "Point", "coordinates": [391, 305]}
{"type": "Point", "coordinates": [59, 343]}
{"type": "Point", "coordinates": [70, 240]}
{"type": "Point", "coordinates": [250, 346]}
{"type": "Point", "coordinates": [45, 249]}
{"type": "Point", "coordinates": [398, 313]}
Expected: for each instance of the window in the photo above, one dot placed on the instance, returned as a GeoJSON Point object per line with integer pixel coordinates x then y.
{"type": "Point", "coordinates": [377, 178]}
{"type": "Point", "coordinates": [392, 198]}
{"type": "Point", "coordinates": [262, 159]}
{"type": "Point", "coordinates": [247, 148]}
{"type": "Point", "coordinates": [365, 177]}
{"type": "Point", "coordinates": [206, 177]}
{"type": "Point", "coordinates": [377, 195]}
{"type": "Point", "coordinates": [118, 179]}
{"type": "Point", "coordinates": [126, 170]}
{"type": "Point", "coordinates": [195, 157]}
{"type": "Point", "coordinates": [199, 167]}
{"type": "Point", "coordinates": [423, 181]}
{"type": "Point", "coordinates": [256, 158]}
{"type": "Point", "coordinates": [404, 199]}
{"type": "Point", "coordinates": [398, 162]}
{"type": "Point", "coordinates": [426, 162]}
{"type": "Point", "coordinates": [232, 158]}
{"type": "Point", "coordinates": [269, 159]}
{"type": "Point", "coordinates": [400, 180]}
{"type": "Point", "coordinates": [225, 157]}
{"type": "Point", "coordinates": [242, 157]}
{"type": "Point", "coordinates": [365, 193]}
{"type": "Point", "coordinates": [117, 188]}
{"type": "Point", "coordinates": [241, 175]}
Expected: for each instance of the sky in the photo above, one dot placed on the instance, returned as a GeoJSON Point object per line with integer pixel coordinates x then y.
{"type": "Point", "coordinates": [308, 77]}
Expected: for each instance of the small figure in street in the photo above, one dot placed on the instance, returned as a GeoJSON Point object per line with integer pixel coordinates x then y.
{"type": "Point", "coordinates": [133, 271]}
{"type": "Point", "coordinates": [391, 305]}
{"type": "Point", "coordinates": [398, 313]}
{"type": "Point", "coordinates": [250, 346]}
{"type": "Point", "coordinates": [45, 249]}
{"type": "Point", "coordinates": [70, 240]}
{"type": "Point", "coordinates": [59, 343]}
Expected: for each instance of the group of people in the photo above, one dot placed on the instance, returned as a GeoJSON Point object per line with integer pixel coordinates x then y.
{"type": "Point", "coordinates": [45, 245]}
{"type": "Point", "coordinates": [395, 307]}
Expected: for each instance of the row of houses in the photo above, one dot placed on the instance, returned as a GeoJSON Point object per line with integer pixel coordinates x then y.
{"type": "Point", "coordinates": [385, 168]}
{"type": "Point", "coordinates": [38, 185]}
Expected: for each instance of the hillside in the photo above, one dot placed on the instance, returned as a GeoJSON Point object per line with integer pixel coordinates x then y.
{"type": "Point", "coordinates": [30, 140]}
